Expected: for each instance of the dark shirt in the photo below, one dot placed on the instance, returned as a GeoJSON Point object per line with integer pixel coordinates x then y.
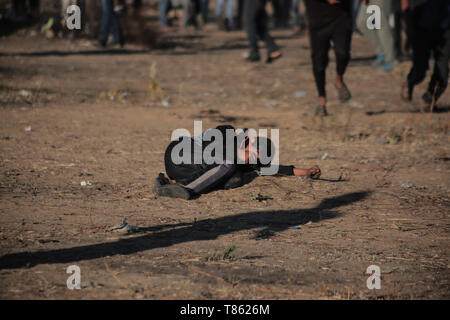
{"type": "Point", "coordinates": [185, 173]}
{"type": "Point", "coordinates": [321, 13]}
{"type": "Point", "coordinates": [432, 14]}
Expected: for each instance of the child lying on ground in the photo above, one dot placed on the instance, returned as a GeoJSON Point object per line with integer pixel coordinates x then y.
{"type": "Point", "coordinates": [187, 179]}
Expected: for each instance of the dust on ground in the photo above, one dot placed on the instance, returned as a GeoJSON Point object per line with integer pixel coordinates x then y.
{"type": "Point", "coordinates": [71, 112]}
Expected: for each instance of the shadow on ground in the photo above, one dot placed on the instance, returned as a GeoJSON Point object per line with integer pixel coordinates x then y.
{"type": "Point", "coordinates": [207, 229]}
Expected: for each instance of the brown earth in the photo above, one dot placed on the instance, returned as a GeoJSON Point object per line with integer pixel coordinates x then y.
{"type": "Point", "coordinates": [71, 112]}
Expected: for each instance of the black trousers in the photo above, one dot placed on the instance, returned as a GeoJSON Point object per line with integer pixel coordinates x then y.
{"type": "Point", "coordinates": [201, 178]}
{"type": "Point", "coordinates": [255, 23]}
{"type": "Point", "coordinates": [426, 42]}
{"type": "Point", "coordinates": [20, 8]}
{"type": "Point", "coordinates": [182, 173]}
{"type": "Point", "coordinates": [340, 33]}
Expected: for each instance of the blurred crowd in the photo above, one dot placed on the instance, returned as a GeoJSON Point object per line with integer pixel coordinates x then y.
{"type": "Point", "coordinates": [408, 29]}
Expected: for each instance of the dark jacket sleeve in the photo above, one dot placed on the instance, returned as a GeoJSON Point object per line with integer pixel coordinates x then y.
{"type": "Point", "coordinates": [285, 170]}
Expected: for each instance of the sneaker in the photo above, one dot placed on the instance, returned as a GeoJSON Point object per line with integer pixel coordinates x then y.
{"type": "Point", "coordinates": [158, 182]}
{"type": "Point", "coordinates": [344, 93]}
{"type": "Point", "coordinates": [236, 181]}
{"type": "Point", "coordinates": [427, 98]}
{"type": "Point", "coordinates": [163, 187]}
{"type": "Point", "coordinates": [253, 57]}
{"type": "Point", "coordinates": [387, 67]}
{"type": "Point", "coordinates": [102, 43]}
{"type": "Point", "coordinates": [320, 111]}
{"type": "Point", "coordinates": [174, 191]}
{"type": "Point", "coordinates": [378, 60]}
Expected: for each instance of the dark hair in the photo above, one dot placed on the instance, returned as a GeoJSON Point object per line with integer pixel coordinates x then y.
{"type": "Point", "coordinates": [265, 148]}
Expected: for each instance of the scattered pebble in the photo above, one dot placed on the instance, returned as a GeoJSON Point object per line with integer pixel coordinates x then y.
{"type": "Point", "coordinates": [165, 103]}
{"type": "Point", "coordinates": [28, 129]}
{"type": "Point", "coordinates": [260, 198]}
{"type": "Point", "coordinates": [396, 227]}
{"type": "Point", "coordinates": [25, 93]}
{"type": "Point", "coordinates": [149, 103]}
{"type": "Point", "coordinates": [272, 103]}
{"type": "Point", "coordinates": [382, 141]}
{"type": "Point", "coordinates": [85, 183]}
{"type": "Point", "coordinates": [408, 185]}
{"type": "Point", "coordinates": [324, 156]}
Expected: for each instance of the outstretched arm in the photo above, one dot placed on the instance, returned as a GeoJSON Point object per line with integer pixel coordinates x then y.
{"type": "Point", "coordinates": [313, 172]}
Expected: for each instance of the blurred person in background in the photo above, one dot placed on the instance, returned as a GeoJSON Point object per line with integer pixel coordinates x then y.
{"type": "Point", "coordinates": [227, 22]}
{"type": "Point", "coordinates": [24, 10]}
{"type": "Point", "coordinates": [299, 18]}
{"type": "Point", "coordinates": [189, 12]}
{"type": "Point", "coordinates": [381, 39]}
{"type": "Point", "coordinates": [329, 21]}
{"type": "Point", "coordinates": [255, 24]}
{"type": "Point", "coordinates": [204, 10]}
{"type": "Point", "coordinates": [431, 36]}
{"type": "Point", "coordinates": [110, 22]}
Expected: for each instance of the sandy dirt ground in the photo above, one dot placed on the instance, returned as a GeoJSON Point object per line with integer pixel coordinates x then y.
{"type": "Point", "coordinates": [71, 112]}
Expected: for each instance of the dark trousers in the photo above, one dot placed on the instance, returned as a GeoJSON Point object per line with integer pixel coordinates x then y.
{"type": "Point", "coordinates": [240, 14]}
{"type": "Point", "coordinates": [20, 8]}
{"type": "Point", "coordinates": [212, 176]}
{"type": "Point", "coordinates": [183, 173]}
{"type": "Point", "coordinates": [282, 10]}
{"type": "Point", "coordinates": [204, 8]}
{"type": "Point", "coordinates": [255, 22]}
{"type": "Point", "coordinates": [110, 22]}
{"type": "Point", "coordinates": [340, 33]}
{"type": "Point", "coordinates": [426, 42]}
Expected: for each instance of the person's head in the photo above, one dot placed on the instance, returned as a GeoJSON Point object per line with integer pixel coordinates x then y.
{"type": "Point", "coordinates": [256, 150]}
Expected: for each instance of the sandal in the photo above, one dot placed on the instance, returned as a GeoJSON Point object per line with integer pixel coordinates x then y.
{"type": "Point", "coordinates": [344, 93]}
{"type": "Point", "coordinates": [270, 58]}
{"type": "Point", "coordinates": [320, 111]}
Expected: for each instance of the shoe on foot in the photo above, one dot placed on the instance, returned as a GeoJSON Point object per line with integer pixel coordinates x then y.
{"type": "Point", "coordinates": [321, 111]}
{"type": "Point", "coordinates": [158, 182]}
{"type": "Point", "coordinates": [427, 98]}
{"type": "Point", "coordinates": [344, 93]}
{"type": "Point", "coordinates": [102, 43]}
{"type": "Point", "coordinates": [173, 191]}
{"type": "Point", "coordinates": [427, 105]}
{"type": "Point", "coordinates": [253, 57]}
{"type": "Point", "coordinates": [271, 58]}
{"type": "Point", "coordinates": [387, 67]}
{"type": "Point", "coordinates": [378, 60]}
{"type": "Point", "coordinates": [236, 181]}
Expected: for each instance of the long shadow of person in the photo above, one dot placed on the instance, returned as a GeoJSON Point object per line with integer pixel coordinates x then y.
{"type": "Point", "coordinates": [207, 229]}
